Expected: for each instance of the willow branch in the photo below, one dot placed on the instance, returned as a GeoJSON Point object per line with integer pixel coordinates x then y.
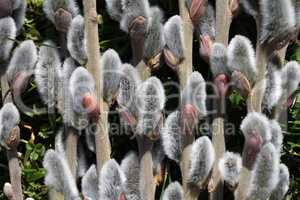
{"type": "Point", "coordinates": [103, 148]}
{"type": "Point", "coordinates": [223, 22]}
{"type": "Point", "coordinates": [184, 70]}
{"type": "Point", "coordinates": [71, 149]}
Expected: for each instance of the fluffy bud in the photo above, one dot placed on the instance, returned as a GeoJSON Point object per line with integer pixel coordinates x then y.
{"type": "Point", "coordinates": [131, 168]}
{"type": "Point", "coordinates": [111, 181]}
{"type": "Point", "coordinates": [230, 166]}
{"type": "Point", "coordinates": [256, 130]}
{"type": "Point", "coordinates": [195, 93]}
{"type": "Point", "coordinates": [273, 89]}
{"type": "Point", "coordinates": [23, 60]}
{"type": "Point", "coordinates": [52, 6]}
{"type": "Point", "coordinates": [46, 74]}
{"type": "Point", "coordinates": [81, 85]}
{"type": "Point", "coordinates": [8, 191]}
{"type": "Point", "coordinates": [266, 173]}
{"type": "Point", "coordinates": [277, 33]}
{"type": "Point", "coordinates": [151, 101]}
{"type": "Point", "coordinates": [250, 6]}
{"type": "Point", "coordinates": [154, 42]}
{"type": "Point", "coordinates": [241, 57]}
{"type": "Point", "coordinates": [283, 184]}
{"type": "Point", "coordinates": [173, 34]}
{"type": "Point", "coordinates": [173, 191]}
{"type": "Point", "coordinates": [89, 184]}
{"type": "Point", "coordinates": [277, 136]}
{"type": "Point", "coordinates": [114, 9]}
{"type": "Point", "coordinates": [7, 31]}
{"type": "Point", "coordinates": [19, 13]}
{"type": "Point", "coordinates": [290, 76]}
{"type": "Point", "coordinates": [130, 81]}
{"type": "Point", "coordinates": [172, 137]}
{"type": "Point", "coordinates": [218, 60]}
{"type": "Point", "coordinates": [65, 104]}
{"type": "Point", "coordinates": [202, 159]}
{"type": "Point", "coordinates": [207, 23]}
{"type": "Point", "coordinates": [76, 40]}
{"type": "Point", "coordinates": [111, 67]}
{"type": "Point", "coordinates": [9, 119]}
{"type": "Point", "coordinates": [59, 176]}
{"type": "Point", "coordinates": [297, 12]}
{"type": "Point", "coordinates": [131, 10]}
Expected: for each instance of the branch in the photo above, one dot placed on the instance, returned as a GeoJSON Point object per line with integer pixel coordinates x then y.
{"type": "Point", "coordinates": [223, 22]}
{"type": "Point", "coordinates": [103, 148]}
{"type": "Point", "coordinates": [71, 149]}
{"type": "Point", "coordinates": [184, 70]}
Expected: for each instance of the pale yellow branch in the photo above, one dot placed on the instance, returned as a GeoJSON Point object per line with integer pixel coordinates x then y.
{"type": "Point", "coordinates": [103, 148]}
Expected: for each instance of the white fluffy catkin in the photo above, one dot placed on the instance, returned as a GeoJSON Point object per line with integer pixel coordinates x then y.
{"type": "Point", "coordinates": [111, 181]}
{"type": "Point", "coordinates": [195, 93]}
{"type": "Point", "coordinates": [257, 123]}
{"type": "Point", "coordinates": [8, 31]}
{"type": "Point", "coordinates": [133, 9]}
{"type": "Point", "coordinates": [151, 101]}
{"type": "Point", "coordinates": [230, 166]}
{"type": "Point", "coordinates": [250, 6]}
{"type": "Point", "coordinates": [218, 60]}
{"type": "Point", "coordinates": [277, 135]}
{"type": "Point", "coordinates": [59, 176]}
{"type": "Point", "coordinates": [19, 13]}
{"type": "Point", "coordinates": [283, 184]}
{"type": "Point", "coordinates": [76, 40]}
{"type": "Point", "coordinates": [173, 192]}
{"type": "Point", "coordinates": [207, 23]}
{"type": "Point", "coordinates": [265, 174]}
{"type": "Point", "coordinates": [89, 184]}
{"type": "Point", "coordinates": [129, 82]}
{"type": "Point", "coordinates": [131, 168]}
{"type": "Point", "coordinates": [172, 137]}
{"type": "Point", "coordinates": [202, 159]}
{"type": "Point", "coordinates": [114, 9]}
{"type": "Point", "coordinates": [23, 60]}
{"type": "Point", "coordinates": [46, 74]}
{"type": "Point", "coordinates": [9, 118]}
{"type": "Point", "coordinates": [273, 89]}
{"type": "Point", "coordinates": [174, 36]}
{"type": "Point", "coordinates": [81, 83]}
{"type": "Point", "coordinates": [51, 6]}
{"type": "Point", "coordinates": [290, 75]}
{"type": "Point", "coordinates": [154, 42]}
{"type": "Point", "coordinates": [271, 28]}
{"type": "Point", "coordinates": [241, 57]}
{"type": "Point", "coordinates": [111, 74]}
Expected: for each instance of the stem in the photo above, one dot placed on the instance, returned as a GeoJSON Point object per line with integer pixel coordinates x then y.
{"type": "Point", "coordinates": [63, 44]}
{"type": "Point", "coordinates": [15, 173]}
{"type": "Point", "coordinates": [223, 22]}
{"type": "Point", "coordinates": [218, 141]}
{"type": "Point", "coordinates": [54, 195]}
{"type": "Point", "coordinates": [103, 148]}
{"type": "Point", "coordinates": [147, 186]}
{"type": "Point", "coordinates": [184, 70]}
{"type": "Point", "coordinates": [71, 150]}
{"type": "Point", "coordinates": [244, 184]}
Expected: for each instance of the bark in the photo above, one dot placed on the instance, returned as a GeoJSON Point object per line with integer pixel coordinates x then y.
{"type": "Point", "coordinates": [184, 70]}
{"type": "Point", "coordinates": [223, 22]}
{"type": "Point", "coordinates": [71, 149]}
{"type": "Point", "coordinates": [103, 148]}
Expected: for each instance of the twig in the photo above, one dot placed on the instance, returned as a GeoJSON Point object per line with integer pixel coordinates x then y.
{"type": "Point", "coordinates": [184, 70]}
{"type": "Point", "coordinates": [103, 148]}
{"type": "Point", "coordinates": [223, 22]}
{"type": "Point", "coordinates": [71, 149]}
